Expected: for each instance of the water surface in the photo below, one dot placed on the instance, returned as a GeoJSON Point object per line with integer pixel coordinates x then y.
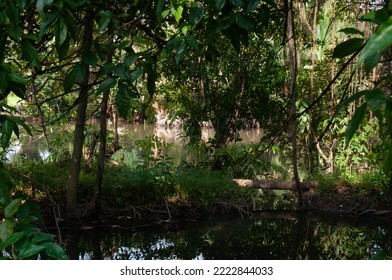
{"type": "Point", "coordinates": [260, 237]}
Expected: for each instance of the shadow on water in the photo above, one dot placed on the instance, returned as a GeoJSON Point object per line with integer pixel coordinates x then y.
{"type": "Point", "coordinates": [268, 235]}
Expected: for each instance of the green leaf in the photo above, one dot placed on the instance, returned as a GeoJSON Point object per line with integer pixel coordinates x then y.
{"type": "Point", "coordinates": [165, 13]}
{"type": "Point", "coordinates": [54, 251]}
{"type": "Point", "coordinates": [77, 73]}
{"type": "Point", "coordinates": [137, 73]}
{"type": "Point", "coordinates": [62, 51]}
{"type": "Point", "coordinates": [21, 122]}
{"type": "Point", "coordinates": [41, 4]}
{"type": "Point", "coordinates": [177, 13]}
{"type": "Point", "coordinates": [18, 88]}
{"type": "Point", "coordinates": [219, 4]}
{"type": "Point", "coordinates": [12, 239]}
{"type": "Point", "coordinates": [224, 24]}
{"type": "Point", "coordinates": [6, 183]}
{"type": "Point", "coordinates": [351, 99]}
{"type": "Point", "coordinates": [272, 3]}
{"type": "Point", "coordinates": [252, 5]}
{"type": "Point", "coordinates": [387, 163]}
{"type": "Point", "coordinates": [243, 22]}
{"type": "Point", "coordinates": [159, 10]}
{"type": "Point", "coordinates": [105, 19]}
{"type": "Point", "coordinates": [16, 130]}
{"type": "Point", "coordinates": [30, 251]}
{"type": "Point", "coordinates": [42, 237]}
{"type": "Point", "coordinates": [106, 85]}
{"type": "Point", "coordinates": [378, 17]}
{"type": "Point", "coordinates": [123, 72]}
{"type": "Point", "coordinates": [61, 32]}
{"type": "Point", "coordinates": [371, 61]}
{"type": "Point", "coordinates": [377, 102]}
{"type": "Point", "coordinates": [7, 127]}
{"type": "Point", "coordinates": [30, 53]}
{"type": "Point", "coordinates": [181, 51]}
{"type": "Point", "coordinates": [196, 13]}
{"type": "Point", "coordinates": [23, 213]}
{"type": "Point", "coordinates": [355, 122]}
{"type": "Point", "coordinates": [80, 72]}
{"type": "Point", "coordinates": [6, 230]}
{"type": "Point", "coordinates": [123, 100]}
{"type": "Point", "coordinates": [89, 58]}
{"type": "Point", "coordinates": [17, 78]}
{"type": "Point", "coordinates": [48, 21]}
{"type": "Point", "coordinates": [21, 3]}
{"type": "Point", "coordinates": [130, 59]}
{"type": "Point", "coordinates": [69, 81]}
{"type": "Point", "coordinates": [12, 208]}
{"type": "Point", "coordinates": [348, 47]}
{"type": "Point", "coordinates": [377, 43]}
{"type": "Point", "coordinates": [381, 256]}
{"type": "Point", "coordinates": [237, 3]}
{"type": "Point", "coordinates": [351, 31]}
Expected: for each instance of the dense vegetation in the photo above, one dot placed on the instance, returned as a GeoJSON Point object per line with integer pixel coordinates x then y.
{"type": "Point", "coordinates": [314, 75]}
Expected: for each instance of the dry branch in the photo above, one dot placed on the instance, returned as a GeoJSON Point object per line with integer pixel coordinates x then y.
{"type": "Point", "coordinates": [273, 185]}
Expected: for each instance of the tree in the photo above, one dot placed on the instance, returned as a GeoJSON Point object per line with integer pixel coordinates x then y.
{"type": "Point", "coordinates": [378, 99]}
{"type": "Point", "coordinates": [229, 88]}
{"type": "Point", "coordinates": [19, 236]}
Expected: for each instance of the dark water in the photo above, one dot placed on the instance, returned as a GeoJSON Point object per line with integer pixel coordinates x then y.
{"type": "Point", "coordinates": [291, 237]}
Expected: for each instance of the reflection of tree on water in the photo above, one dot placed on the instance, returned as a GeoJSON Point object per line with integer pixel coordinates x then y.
{"type": "Point", "coordinates": [36, 148]}
{"type": "Point", "coordinates": [295, 237]}
{"type": "Point", "coordinates": [27, 150]}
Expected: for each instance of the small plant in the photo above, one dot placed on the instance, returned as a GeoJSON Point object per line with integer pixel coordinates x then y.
{"type": "Point", "coordinates": [20, 238]}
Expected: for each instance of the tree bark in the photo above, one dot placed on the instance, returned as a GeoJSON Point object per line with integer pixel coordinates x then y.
{"type": "Point", "coordinates": [293, 106]}
{"type": "Point", "coordinates": [95, 203]}
{"type": "Point", "coordinates": [73, 177]}
{"type": "Point", "coordinates": [311, 141]}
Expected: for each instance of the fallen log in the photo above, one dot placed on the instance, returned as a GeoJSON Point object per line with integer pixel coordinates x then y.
{"type": "Point", "coordinates": [274, 185]}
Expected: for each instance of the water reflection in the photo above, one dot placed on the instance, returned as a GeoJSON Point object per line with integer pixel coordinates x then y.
{"type": "Point", "coordinates": [255, 238]}
{"type": "Point", "coordinates": [61, 139]}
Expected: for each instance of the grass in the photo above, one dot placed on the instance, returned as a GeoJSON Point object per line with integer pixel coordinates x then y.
{"type": "Point", "coordinates": [137, 185]}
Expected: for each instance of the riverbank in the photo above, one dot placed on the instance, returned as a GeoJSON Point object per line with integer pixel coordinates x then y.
{"type": "Point", "coordinates": [164, 194]}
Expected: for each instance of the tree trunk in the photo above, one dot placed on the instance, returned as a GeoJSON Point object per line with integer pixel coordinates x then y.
{"type": "Point", "coordinates": [293, 107]}
{"type": "Point", "coordinates": [311, 135]}
{"type": "Point", "coordinates": [95, 203]}
{"type": "Point", "coordinates": [73, 177]}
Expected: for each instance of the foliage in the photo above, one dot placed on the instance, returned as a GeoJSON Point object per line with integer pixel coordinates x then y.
{"type": "Point", "coordinates": [209, 63]}
{"type": "Point", "coordinates": [20, 238]}
{"type": "Point", "coordinates": [360, 192]}
{"type": "Point", "coordinates": [376, 100]}
{"type": "Point", "coordinates": [208, 188]}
